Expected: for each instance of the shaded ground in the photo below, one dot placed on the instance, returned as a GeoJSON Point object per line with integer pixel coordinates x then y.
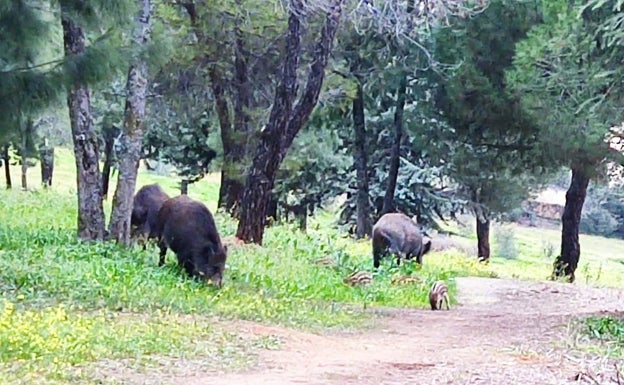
{"type": "Point", "coordinates": [501, 332]}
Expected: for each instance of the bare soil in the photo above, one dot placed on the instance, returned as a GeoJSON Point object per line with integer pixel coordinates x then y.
{"type": "Point", "coordinates": [501, 332]}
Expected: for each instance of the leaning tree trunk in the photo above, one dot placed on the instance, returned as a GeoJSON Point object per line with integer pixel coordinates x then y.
{"type": "Point", "coordinates": [395, 156]}
{"type": "Point", "coordinates": [362, 203]}
{"type": "Point", "coordinates": [483, 238]}
{"type": "Point", "coordinates": [46, 157]}
{"type": "Point", "coordinates": [566, 263]}
{"type": "Point", "coordinates": [7, 169]}
{"type": "Point", "coordinates": [132, 140]}
{"type": "Point", "coordinates": [86, 152]}
{"type": "Point", "coordinates": [285, 121]}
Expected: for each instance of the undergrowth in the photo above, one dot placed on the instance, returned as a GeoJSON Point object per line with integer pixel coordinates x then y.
{"type": "Point", "coordinates": [66, 302]}
{"type": "Point", "coordinates": [609, 331]}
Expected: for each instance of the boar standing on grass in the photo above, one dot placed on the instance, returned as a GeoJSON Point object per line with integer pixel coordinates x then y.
{"type": "Point", "coordinates": [399, 234]}
{"type": "Point", "coordinates": [145, 206]}
{"type": "Point", "coordinates": [188, 228]}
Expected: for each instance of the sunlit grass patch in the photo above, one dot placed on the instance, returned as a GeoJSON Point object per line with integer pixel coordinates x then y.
{"type": "Point", "coordinates": [58, 343]}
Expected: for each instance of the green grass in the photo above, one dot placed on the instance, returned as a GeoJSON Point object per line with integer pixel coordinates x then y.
{"type": "Point", "coordinates": [608, 331]}
{"type": "Point", "coordinates": [66, 305]}
{"type": "Point", "coordinates": [601, 262]}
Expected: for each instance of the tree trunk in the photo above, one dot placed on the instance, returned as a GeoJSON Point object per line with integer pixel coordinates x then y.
{"type": "Point", "coordinates": [362, 202]}
{"type": "Point", "coordinates": [27, 133]}
{"type": "Point", "coordinates": [395, 157]}
{"type": "Point", "coordinates": [184, 186]}
{"type": "Point", "coordinates": [566, 263]}
{"type": "Point", "coordinates": [285, 121]}
{"type": "Point", "coordinates": [132, 140]}
{"type": "Point", "coordinates": [483, 239]}
{"type": "Point", "coordinates": [236, 140]}
{"type": "Point", "coordinates": [46, 157]}
{"type": "Point", "coordinates": [7, 169]}
{"type": "Point", "coordinates": [24, 168]}
{"type": "Point", "coordinates": [109, 145]}
{"type": "Point", "coordinates": [90, 210]}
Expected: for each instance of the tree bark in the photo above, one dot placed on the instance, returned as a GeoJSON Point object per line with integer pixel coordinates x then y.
{"type": "Point", "coordinates": [132, 140]}
{"type": "Point", "coordinates": [362, 202]}
{"type": "Point", "coordinates": [567, 262]}
{"type": "Point", "coordinates": [46, 157]}
{"type": "Point", "coordinates": [90, 209]}
{"type": "Point", "coordinates": [109, 144]}
{"type": "Point", "coordinates": [483, 239]}
{"type": "Point", "coordinates": [284, 121]}
{"type": "Point", "coordinates": [395, 156]}
{"type": "Point", "coordinates": [7, 169]}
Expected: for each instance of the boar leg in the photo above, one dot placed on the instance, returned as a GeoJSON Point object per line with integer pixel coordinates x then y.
{"type": "Point", "coordinates": [163, 251]}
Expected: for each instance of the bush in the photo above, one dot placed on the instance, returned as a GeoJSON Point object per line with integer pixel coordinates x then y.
{"type": "Point", "coordinates": [505, 240]}
{"type": "Point", "coordinates": [598, 221]}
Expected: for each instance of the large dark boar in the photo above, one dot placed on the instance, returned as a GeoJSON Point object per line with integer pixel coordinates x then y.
{"type": "Point", "coordinates": [145, 206]}
{"type": "Point", "coordinates": [399, 234]}
{"type": "Point", "coordinates": [187, 227]}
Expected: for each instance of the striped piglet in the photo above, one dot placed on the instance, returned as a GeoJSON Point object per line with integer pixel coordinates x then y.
{"type": "Point", "coordinates": [439, 295]}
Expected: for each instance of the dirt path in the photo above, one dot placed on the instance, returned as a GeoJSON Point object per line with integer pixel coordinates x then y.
{"type": "Point", "coordinates": [501, 332]}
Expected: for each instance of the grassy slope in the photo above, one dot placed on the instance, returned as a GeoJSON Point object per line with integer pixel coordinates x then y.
{"type": "Point", "coordinates": [91, 302]}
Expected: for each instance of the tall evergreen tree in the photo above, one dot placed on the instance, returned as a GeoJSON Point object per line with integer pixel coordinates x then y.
{"type": "Point", "coordinates": [134, 127]}
{"type": "Point", "coordinates": [288, 115]}
{"type": "Point", "coordinates": [568, 74]}
{"type": "Point", "coordinates": [492, 138]}
{"type": "Point", "coordinates": [89, 63]}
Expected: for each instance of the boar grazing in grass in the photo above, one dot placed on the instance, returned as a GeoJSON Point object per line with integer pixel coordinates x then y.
{"type": "Point", "coordinates": [400, 235]}
{"type": "Point", "coordinates": [188, 228]}
{"type": "Point", "coordinates": [145, 206]}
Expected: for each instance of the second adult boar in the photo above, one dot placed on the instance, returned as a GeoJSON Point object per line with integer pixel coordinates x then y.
{"type": "Point", "coordinates": [399, 234]}
{"type": "Point", "coordinates": [188, 228]}
{"type": "Point", "coordinates": [145, 206]}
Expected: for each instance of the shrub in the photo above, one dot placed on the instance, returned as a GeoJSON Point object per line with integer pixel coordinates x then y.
{"type": "Point", "coordinates": [505, 239]}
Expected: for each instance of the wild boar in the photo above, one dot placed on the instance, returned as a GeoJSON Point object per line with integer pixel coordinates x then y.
{"type": "Point", "coordinates": [399, 234]}
{"type": "Point", "coordinates": [187, 227]}
{"type": "Point", "coordinates": [145, 206]}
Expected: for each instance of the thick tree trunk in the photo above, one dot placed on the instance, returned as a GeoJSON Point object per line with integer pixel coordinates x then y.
{"type": "Point", "coordinates": [132, 140]}
{"type": "Point", "coordinates": [46, 157]}
{"type": "Point", "coordinates": [90, 210]}
{"type": "Point", "coordinates": [566, 263]}
{"type": "Point", "coordinates": [285, 121]}
{"type": "Point", "coordinates": [483, 239]}
{"type": "Point", "coordinates": [7, 169]}
{"type": "Point", "coordinates": [395, 156]}
{"type": "Point", "coordinates": [363, 225]}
